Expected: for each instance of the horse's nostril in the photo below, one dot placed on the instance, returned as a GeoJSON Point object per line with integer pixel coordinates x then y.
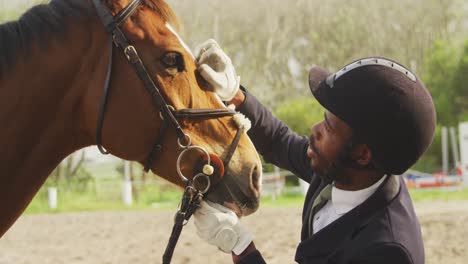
{"type": "Point", "coordinates": [255, 178]}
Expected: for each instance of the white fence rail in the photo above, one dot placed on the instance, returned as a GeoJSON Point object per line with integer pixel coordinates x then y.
{"type": "Point", "coordinates": [274, 184]}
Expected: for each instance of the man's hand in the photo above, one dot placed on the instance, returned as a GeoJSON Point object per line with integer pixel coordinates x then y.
{"type": "Point", "coordinates": [217, 69]}
{"type": "Point", "coordinates": [220, 227]}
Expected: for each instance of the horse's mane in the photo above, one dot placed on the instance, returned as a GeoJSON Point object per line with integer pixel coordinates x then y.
{"type": "Point", "coordinates": [43, 22]}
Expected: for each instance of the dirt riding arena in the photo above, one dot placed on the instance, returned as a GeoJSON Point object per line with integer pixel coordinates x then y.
{"type": "Point", "coordinates": [140, 237]}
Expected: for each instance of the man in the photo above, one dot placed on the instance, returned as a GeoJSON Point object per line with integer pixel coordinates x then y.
{"type": "Point", "coordinates": [379, 120]}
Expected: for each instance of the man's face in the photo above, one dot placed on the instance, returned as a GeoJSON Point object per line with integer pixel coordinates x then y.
{"type": "Point", "coordinates": [327, 141]}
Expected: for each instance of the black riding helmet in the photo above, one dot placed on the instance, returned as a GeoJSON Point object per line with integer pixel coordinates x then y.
{"type": "Point", "coordinates": [385, 104]}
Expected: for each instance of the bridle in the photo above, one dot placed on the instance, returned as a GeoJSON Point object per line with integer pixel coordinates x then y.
{"type": "Point", "coordinates": [168, 114]}
{"type": "Point", "coordinates": [196, 187]}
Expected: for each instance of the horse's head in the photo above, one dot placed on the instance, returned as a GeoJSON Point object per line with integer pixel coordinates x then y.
{"type": "Point", "coordinates": [132, 120]}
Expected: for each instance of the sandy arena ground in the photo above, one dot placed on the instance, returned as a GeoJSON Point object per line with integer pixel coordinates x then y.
{"type": "Point", "coordinates": [140, 237]}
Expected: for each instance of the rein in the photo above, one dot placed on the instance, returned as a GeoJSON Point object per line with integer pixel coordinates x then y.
{"type": "Point", "coordinates": [200, 184]}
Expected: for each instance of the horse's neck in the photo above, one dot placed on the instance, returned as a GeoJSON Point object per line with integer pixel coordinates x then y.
{"type": "Point", "coordinates": [37, 114]}
{"type": "Point", "coordinates": [40, 99]}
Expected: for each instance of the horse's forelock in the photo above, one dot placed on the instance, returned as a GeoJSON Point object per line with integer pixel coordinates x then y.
{"type": "Point", "coordinates": [165, 11]}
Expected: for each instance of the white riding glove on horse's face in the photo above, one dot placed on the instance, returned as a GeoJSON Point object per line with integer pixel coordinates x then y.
{"type": "Point", "coordinates": [217, 69]}
{"type": "Point", "coordinates": [220, 227]}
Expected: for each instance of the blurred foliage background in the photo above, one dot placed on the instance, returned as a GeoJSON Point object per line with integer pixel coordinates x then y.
{"type": "Point", "coordinates": [273, 43]}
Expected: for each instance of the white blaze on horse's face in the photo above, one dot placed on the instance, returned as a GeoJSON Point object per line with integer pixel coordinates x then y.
{"type": "Point", "coordinates": [180, 40]}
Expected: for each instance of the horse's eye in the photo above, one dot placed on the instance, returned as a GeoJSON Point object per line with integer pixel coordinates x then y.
{"type": "Point", "coordinates": [172, 60]}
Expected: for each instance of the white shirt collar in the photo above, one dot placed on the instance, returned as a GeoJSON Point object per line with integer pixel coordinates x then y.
{"type": "Point", "coordinates": [344, 201]}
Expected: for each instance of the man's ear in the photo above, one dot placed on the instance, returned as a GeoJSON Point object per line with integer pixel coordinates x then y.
{"type": "Point", "coordinates": [361, 154]}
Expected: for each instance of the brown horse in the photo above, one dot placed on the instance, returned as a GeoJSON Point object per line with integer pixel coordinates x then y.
{"type": "Point", "coordinates": [53, 67]}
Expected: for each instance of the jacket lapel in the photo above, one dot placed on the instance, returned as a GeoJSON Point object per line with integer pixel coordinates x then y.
{"type": "Point", "coordinates": [329, 239]}
{"type": "Point", "coordinates": [310, 198]}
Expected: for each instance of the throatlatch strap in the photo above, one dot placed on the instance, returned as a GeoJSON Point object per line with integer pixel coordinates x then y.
{"type": "Point", "coordinates": [157, 146]}
{"type": "Point", "coordinates": [102, 106]}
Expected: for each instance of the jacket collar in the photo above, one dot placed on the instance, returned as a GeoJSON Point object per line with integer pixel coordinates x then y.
{"type": "Point", "coordinates": [330, 237]}
{"type": "Point", "coordinates": [344, 201]}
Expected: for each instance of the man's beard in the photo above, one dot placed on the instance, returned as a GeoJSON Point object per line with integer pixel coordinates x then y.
{"type": "Point", "coordinates": [334, 173]}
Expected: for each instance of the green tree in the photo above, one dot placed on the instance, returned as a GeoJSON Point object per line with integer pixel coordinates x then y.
{"type": "Point", "coordinates": [300, 114]}
{"type": "Point", "coordinates": [460, 85]}
{"type": "Point", "coordinates": [445, 74]}
{"type": "Point", "coordinates": [438, 75]}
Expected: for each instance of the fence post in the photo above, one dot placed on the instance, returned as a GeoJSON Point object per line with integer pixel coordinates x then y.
{"type": "Point", "coordinates": [463, 133]}
{"type": "Point", "coordinates": [444, 151]}
{"type": "Point", "coordinates": [276, 184]}
{"type": "Point", "coordinates": [127, 185]}
{"type": "Point", "coordinates": [456, 156]}
{"type": "Point", "coordinates": [52, 193]}
{"type": "Point", "coordinates": [304, 186]}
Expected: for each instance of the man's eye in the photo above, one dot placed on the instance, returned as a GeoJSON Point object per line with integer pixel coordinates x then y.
{"type": "Point", "coordinates": [172, 60]}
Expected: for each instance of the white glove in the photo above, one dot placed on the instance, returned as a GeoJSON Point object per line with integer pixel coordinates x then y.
{"type": "Point", "coordinates": [217, 69]}
{"type": "Point", "coordinates": [220, 227]}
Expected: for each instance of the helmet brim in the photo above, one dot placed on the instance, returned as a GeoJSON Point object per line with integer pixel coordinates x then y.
{"type": "Point", "coordinates": [318, 86]}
